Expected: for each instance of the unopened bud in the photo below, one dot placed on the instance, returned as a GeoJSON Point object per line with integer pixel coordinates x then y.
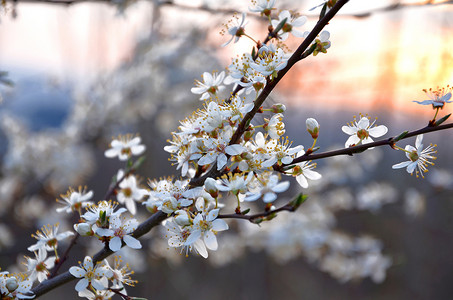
{"type": "Point", "coordinates": [248, 135]}
{"type": "Point", "coordinates": [210, 185]}
{"type": "Point", "coordinates": [182, 218]}
{"type": "Point", "coordinates": [312, 127]}
{"type": "Point", "coordinates": [278, 108]}
{"type": "Point", "coordinates": [84, 229]}
{"type": "Point", "coordinates": [11, 284]}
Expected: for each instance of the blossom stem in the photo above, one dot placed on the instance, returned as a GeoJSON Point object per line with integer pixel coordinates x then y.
{"type": "Point", "coordinates": [435, 115]}
{"type": "Point", "coordinates": [250, 38]}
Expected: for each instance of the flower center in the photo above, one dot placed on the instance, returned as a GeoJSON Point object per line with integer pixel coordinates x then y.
{"type": "Point", "coordinates": [127, 192]}
{"type": "Point", "coordinates": [41, 267]}
{"type": "Point", "coordinates": [362, 134]}
{"type": "Point", "coordinates": [89, 274]}
{"type": "Point", "coordinates": [212, 90]}
{"type": "Point", "coordinates": [413, 156]}
{"type": "Point", "coordinates": [126, 151]}
{"type": "Point", "coordinates": [287, 27]}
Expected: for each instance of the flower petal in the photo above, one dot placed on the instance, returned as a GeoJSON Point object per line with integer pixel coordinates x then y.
{"type": "Point", "coordinates": [115, 244]}
{"type": "Point", "coordinates": [210, 240]}
{"type": "Point", "coordinates": [132, 242]}
{"type": "Point", "coordinates": [81, 285]}
{"type": "Point", "coordinates": [219, 225]}
{"type": "Point", "coordinates": [401, 165]}
{"type": "Point", "coordinates": [378, 131]}
{"type": "Point", "coordinates": [77, 272]}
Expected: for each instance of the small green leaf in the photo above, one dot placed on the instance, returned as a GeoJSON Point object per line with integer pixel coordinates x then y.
{"type": "Point", "coordinates": [402, 135]}
{"type": "Point", "coordinates": [309, 51]}
{"type": "Point", "coordinates": [138, 163]}
{"type": "Point", "coordinates": [301, 198]}
{"type": "Point", "coordinates": [271, 216]}
{"type": "Point", "coordinates": [280, 25]}
{"type": "Point", "coordinates": [440, 121]}
{"type": "Point", "coordinates": [257, 220]}
{"type": "Point", "coordinates": [244, 212]}
{"type": "Point", "coordinates": [254, 52]}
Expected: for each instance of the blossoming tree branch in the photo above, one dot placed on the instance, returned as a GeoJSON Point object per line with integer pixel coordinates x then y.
{"type": "Point", "coordinates": [226, 159]}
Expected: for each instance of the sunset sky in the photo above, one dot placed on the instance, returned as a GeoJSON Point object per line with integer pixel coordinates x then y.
{"type": "Point", "coordinates": [380, 61]}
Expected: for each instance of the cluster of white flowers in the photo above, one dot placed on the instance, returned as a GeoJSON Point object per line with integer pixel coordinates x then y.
{"type": "Point", "coordinates": [95, 278]}
{"type": "Point", "coordinates": [238, 157]}
{"type": "Point", "coordinates": [15, 286]}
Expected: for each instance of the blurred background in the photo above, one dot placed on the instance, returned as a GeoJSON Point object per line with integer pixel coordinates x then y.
{"type": "Point", "coordinates": [87, 71]}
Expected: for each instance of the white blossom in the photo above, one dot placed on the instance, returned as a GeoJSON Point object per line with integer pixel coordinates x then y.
{"type": "Point", "coordinates": [361, 131]}
{"type": "Point", "coordinates": [90, 274]}
{"type": "Point", "coordinates": [418, 157]}
{"type": "Point", "coordinates": [124, 147]}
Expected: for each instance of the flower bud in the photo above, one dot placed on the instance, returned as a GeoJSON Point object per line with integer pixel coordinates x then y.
{"type": "Point", "coordinates": [210, 187]}
{"type": "Point", "coordinates": [278, 108]}
{"type": "Point", "coordinates": [84, 229]}
{"type": "Point", "coordinates": [312, 127]}
{"type": "Point", "coordinates": [182, 218]}
{"type": "Point", "coordinates": [11, 284]}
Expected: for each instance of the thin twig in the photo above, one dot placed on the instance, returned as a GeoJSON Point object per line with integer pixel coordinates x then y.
{"type": "Point", "coordinates": [252, 218]}
{"type": "Point", "coordinates": [361, 148]}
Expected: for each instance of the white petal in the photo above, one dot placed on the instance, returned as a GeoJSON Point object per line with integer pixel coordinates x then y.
{"type": "Point", "coordinates": [137, 150]}
{"type": "Point", "coordinates": [77, 272]}
{"type": "Point", "coordinates": [212, 214]}
{"type": "Point", "coordinates": [364, 123]}
{"type": "Point", "coordinates": [313, 175]}
{"type": "Point", "coordinates": [411, 167]}
{"type": "Point", "coordinates": [104, 232]}
{"type": "Point", "coordinates": [221, 161]}
{"type": "Point", "coordinates": [349, 130]}
{"type": "Point", "coordinates": [198, 90]}
{"type": "Point", "coordinates": [418, 141]}
{"type": "Point", "coordinates": [234, 149]}
{"type": "Point", "coordinates": [130, 205]}
{"type": "Point", "coordinates": [269, 197]}
{"type": "Point", "coordinates": [219, 225]}
{"type": "Point", "coordinates": [110, 153]}
{"type": "Point", "coordinates": [378, 131]}
{"type": "Point", "coordinates": [252, 197]}
{"type": "Point", "coordinates": [324, 36]}
{"type": "Point", "coordinates": [201, 249]}
{"type": "Point", "coordinates": [193, 237]}
{"type": "Point", "coordinates": [210, 240]}
{"type": "Point", "coordinates": [207, 78]}
{"type": "Point", "coordinates": [207, 159]}
{"type": "Point", "coordinates": [97, 284]}
{"type": "Point", "coordinates": [302, 181]}
{"type": "Point", "coordinates": [81, 285]}
{"type": "Point", "coordinates": [401, 165]}
{"type": "Point", "coordinates": [87, 263]}
{"type": "Point", "coordinates": [132, 242]}
{"type": "Point", "coordinates": [281, 187]}
{"type": "Point", "coordinates": [287, 159]}
{"type": "Point", "coordinates": [115, 244]}
{"type": "Point", "coordinates": [352, 140]}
